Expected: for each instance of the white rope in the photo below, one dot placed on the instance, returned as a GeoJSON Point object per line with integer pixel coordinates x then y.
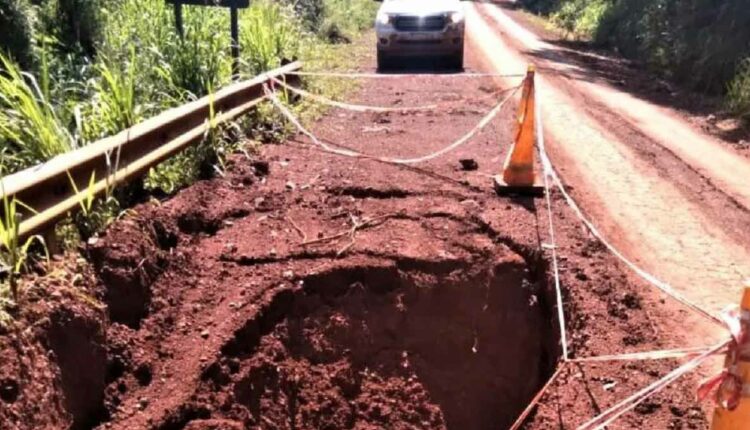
{"type": "Point", "coordinates": [634, 400]}
{"type": "Point", "coordinates": [349, 106]}
{"type": "Point", "coordinates": [354, 154]}
{"type": "Point", "coordinates": [406, 75]}
{"type": "Point", "coordinates": [555, 267]}
{"type": "Point", "coordinates": [646, 355]}
{"type": "Point", "coordinates": [653, 280]}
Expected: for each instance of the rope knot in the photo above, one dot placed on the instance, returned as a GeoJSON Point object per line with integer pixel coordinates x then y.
{"type": "Point", "coordinates": [728, 385]}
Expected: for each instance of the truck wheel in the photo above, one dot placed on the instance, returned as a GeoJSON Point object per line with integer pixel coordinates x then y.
{"type": "Point", "coordinates": [456, 62]}
{"type": "Point", "coordinates": [384, 62]}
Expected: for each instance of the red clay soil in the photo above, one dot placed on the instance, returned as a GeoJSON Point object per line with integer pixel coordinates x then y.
{"type": "Point", "coordinates": [437, 312]}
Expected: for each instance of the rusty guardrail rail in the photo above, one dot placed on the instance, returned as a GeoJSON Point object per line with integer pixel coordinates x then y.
{"type": "Point", "coordinates": [48, 190]}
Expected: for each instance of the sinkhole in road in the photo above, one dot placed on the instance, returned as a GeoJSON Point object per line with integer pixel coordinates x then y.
{"type": "Point", "coordinates": [427, 344]}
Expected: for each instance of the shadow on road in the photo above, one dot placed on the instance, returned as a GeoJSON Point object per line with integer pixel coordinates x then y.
{"type": "Point", "coordinates": [421, 65]}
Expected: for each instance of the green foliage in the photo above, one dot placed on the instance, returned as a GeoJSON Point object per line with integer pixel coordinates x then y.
{"type": "Point", "coordinates": [30, 128]}
{"type": "Point", "coordinates": [268, 34]}
{"type": "Point", "coordinates": [700, 43]}
{"type": "Point", "coordinates": [200, 161]}
{"type": "Point", "coordinates": [114, 106]}
{"type": "Point", "coordinates": [103, 66]}
{"type": "Point", "coordinates": [344, 19]}
{"type": "Point", "coordinates": [96, 67]}
{"type": "Point", "coordinates": [170, 69]}
{"type": "Point", "coordinates": [581, 17]}
{"type": "Point", "coordinates": [16, 22]}
{"type": "Point", "coordinates": [76, 24]}
{"type": "Point", "coordinates": [310, 12]}
{"type": "Point", "coordinates": [738, 92]}
{"type": "Point", "coordinates": [13, 251]}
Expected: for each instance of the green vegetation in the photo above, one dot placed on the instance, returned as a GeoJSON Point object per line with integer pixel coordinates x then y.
{"type": "Point", "coordinates": [699, 43]}
{"type": "Point", "coordinates": [13, 252]}
{"type": "Point", "coordinates": [16, 20]}
{"type": "Point", "coordinates": [30, 129]}
{"type": "Point", "coordinates": [75, 71]}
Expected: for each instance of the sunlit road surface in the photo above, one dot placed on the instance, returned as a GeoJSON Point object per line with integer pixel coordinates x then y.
{"type": "Point", "coordinates": [635, 203]}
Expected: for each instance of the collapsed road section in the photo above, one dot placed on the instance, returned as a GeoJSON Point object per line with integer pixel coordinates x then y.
{"type": "Point", "coordinates": [301, 289]}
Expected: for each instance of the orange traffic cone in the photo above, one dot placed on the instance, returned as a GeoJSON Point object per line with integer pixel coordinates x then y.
{"type": "Point", "coordinates": [733, 410]}
{"type": "Point", "coordinates": [518, 173]}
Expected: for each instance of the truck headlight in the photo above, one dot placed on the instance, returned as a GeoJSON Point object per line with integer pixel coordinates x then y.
{"type": "Point", "coordinates": [457, 17]}
{"type": "Point", "coordinates": [383, 18]}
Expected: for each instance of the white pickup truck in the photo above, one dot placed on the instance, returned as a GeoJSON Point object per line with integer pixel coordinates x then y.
{"type": "Point", "coordinates": [412, 28]}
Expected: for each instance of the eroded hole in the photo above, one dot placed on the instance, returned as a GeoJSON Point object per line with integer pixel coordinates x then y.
{"type": "Point", "coordinates": [393, 346]}
{"type": "Point", "coordinates": [9, 390]}
{"type": "Point", "coordinates": [370, 192]}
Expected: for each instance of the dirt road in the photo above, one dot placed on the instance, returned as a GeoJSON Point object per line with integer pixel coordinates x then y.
{"type": "Point", "coordinates": [307, 290]}
{"type": "Point", "coordinates": [675, 199]}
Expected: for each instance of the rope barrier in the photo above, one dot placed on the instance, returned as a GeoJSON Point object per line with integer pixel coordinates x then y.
{"type": "Point", "coordinates": [538, 398]}
{"type": "Point", "coordinates": [611, 414]}
{"type": "Point", "coordinates": [349, 106]}
{"type": "Point", "coordinates": [699, 354]}
{"type": "Point", "coordinates": [646, 355]}
{"type": "Point", "coordinates": [355, 154]}
{"type": "Point", "coordinates": [407, 75]}
{"type": "Point", "coordinates": [555, 266]}
{"type": "Point", "coordinates": [653, 280]}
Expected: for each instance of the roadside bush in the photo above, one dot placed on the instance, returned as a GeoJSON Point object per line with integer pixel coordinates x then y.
{"type": "Point", "coordinates": [76, 24]}
{"type": "Point", "coordinates": [30, 128]}
{"type": "Point", "coordinates": [17, 22]}
{"type": "Point", "coordinates": [581, 17]}
{"type": "Point", "coordinates": [170, 69]}
{"type": "Point", "coordinates": [269, 33]}
{"type": "Point", "coordinates": [738, 91]}
{"type": "Point", "coordinates": [543, 7]}
{"type": "Point", "coordinates": [94, 79]}
{"type": "Point", "coordinates": [310, 12]}
{"type": "Point", "coordinates": [346, 18]}
{"type": "Point", "coordinates": [698, 43]}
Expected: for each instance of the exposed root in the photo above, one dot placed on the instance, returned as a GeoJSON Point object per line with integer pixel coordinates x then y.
{"type": "Point", "coordinates": [351, 233]}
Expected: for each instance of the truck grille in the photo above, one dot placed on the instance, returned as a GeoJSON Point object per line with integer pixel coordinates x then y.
{"type": "Point", "coordinates": [416, 23]}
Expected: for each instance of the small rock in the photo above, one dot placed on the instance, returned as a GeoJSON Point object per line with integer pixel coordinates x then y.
{"type": "Point", "coordinates": [204, 334]}
{"type": "Point", "coordinates": [647, 408]}
{"type": "Point", "coordinates": [291, 185]}
{"type": "Point", "coordinates": [468, 164]}
{"type": "Point", "coordinates": [142, 403]}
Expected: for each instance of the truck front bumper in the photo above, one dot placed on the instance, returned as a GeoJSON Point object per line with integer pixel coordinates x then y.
{"type": "Point", "coordinates": [418, 43]}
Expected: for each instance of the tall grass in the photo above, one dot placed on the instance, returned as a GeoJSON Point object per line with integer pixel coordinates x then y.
{"type": "Point", "coordinates": [738, 91]}
{"type": "Point", "coordinates": [701, 44]}
{"type": "Point", "coordinates": [349, 16]}
{"type": "Point", "coordinates": [141, 66]}
{"type": "Point", "coordinates": [30, 129]}
{"type": "Point", "coordinates": [14, 252]}
{"type": "Point", "coordinates": [16, 22]}
{"type": "Point", "coordinates": [268, 34]}
{"type": "Point", "coordinates": [114, 106]}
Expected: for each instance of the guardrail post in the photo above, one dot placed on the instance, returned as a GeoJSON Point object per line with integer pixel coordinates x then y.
{"type": "Point", "coordinates": [733, 406]}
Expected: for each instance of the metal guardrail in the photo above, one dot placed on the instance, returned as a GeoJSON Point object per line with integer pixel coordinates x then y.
{"type": "Point", "coordinates": [47, 187]}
